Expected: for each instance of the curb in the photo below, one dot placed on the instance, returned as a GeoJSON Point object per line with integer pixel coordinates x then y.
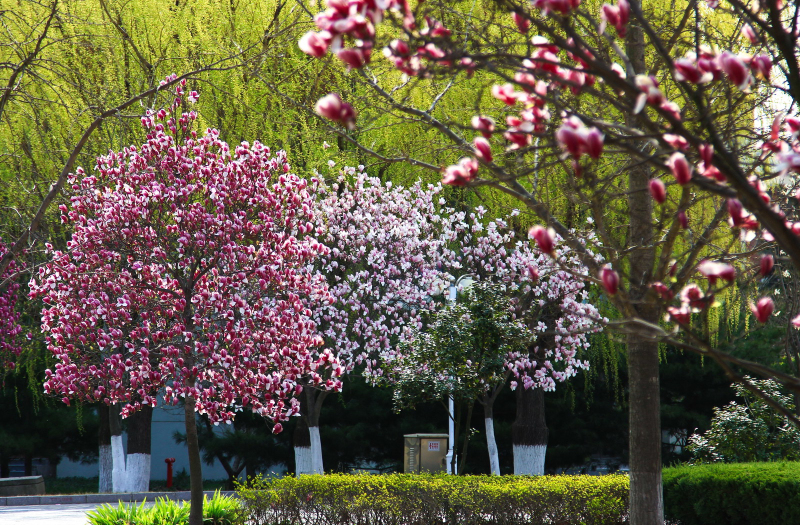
{"type": "Point", "coordinates": [130, 497]}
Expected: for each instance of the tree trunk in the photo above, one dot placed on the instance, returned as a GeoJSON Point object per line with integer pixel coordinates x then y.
{"type": "Point", "coordinates": [307, 443]}
{"type": "Point", "coordinates": [104, 449]}
{"type": "Point", "coordinates": [491, 443]}
{"type": "Point", "coordinates": [119, 475]}
{"type": "Point", "coordinates": [302, 447]}
{"type": "Point", "coordinates": [462, 463]}
{"type": "Point", "coordinates": [5, 470]}
{"type": "Point", "coordinates": [29, 464]}
{"type": "Point", "coordinates": [529, 432]}
{"type": "Point", "coordinates": [646, 501]}
{"type": "Point", "coordinates": [137, 466]}
{"type": "Point", "coordinates": [195, 465]}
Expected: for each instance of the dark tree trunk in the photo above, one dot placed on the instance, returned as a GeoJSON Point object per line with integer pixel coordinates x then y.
{"type": "Point", "coordinates": [105, 462]}
{"type": "Point", "coordinates": [307, 445]}
{"type": "Point", "coordinates": [138, 461]}
{"type": "Point", "coordinates": [195, 464]}
{"type": "Point", "coordinates": [29, 464]}
{"type": "Point", "coordinates": [5, 470]}
{"type": "Point", "coordinates": [139, 425]}
{"type": "Point", "coordinates": [646, 502]}
{"type": "Point", "coordinates": [529, 432]}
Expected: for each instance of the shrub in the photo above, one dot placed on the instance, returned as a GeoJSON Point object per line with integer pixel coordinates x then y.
{"type": "Point", "coordinates": [402, 499]}
{"type": "Point", "coordinates": [220, 510]}
{"type": "Point", "coordinates": [752, 431]}
{"type": "Point", "coordinates": [734, 493]}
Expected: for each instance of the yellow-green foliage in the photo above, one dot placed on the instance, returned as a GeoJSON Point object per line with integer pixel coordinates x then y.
{"type": "Point", "coordinates": [219, 510]}
{"type": "Point", "coordinates": [733, 493]}
{"type": "Point", "coordinates": [402, 499]}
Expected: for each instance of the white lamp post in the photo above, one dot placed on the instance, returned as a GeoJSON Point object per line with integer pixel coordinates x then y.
{"type": "Point", "coordinates": [466, 280]}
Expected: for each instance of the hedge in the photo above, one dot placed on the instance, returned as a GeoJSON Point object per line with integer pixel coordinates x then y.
{"type": "Point", "coordinates": [733, 493]}
{"type": "Point", "coordinates": [401, 499]}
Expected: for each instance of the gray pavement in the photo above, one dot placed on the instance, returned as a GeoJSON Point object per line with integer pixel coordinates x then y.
{"type": "Point", "coordinates": [71, 510]}
{"type": "Point", "coordinates": [67, 514]}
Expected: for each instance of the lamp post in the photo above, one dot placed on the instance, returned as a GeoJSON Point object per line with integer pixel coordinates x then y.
{"type": "Point", "coordinates": [466, 280]}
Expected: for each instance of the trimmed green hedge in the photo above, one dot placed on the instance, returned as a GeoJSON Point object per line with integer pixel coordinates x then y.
{"type": "Point", "coordinates": [733, 493]}
{"type": "Point", "coordinates": [400, 499]}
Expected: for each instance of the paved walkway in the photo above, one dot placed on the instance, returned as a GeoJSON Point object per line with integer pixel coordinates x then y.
{"type": "Point", "coordinates": [70, 514]}
{"type": "Point", "coordinates": [70, 510]}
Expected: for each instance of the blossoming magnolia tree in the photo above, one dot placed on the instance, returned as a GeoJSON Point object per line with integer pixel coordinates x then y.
{"type": "Point", "coordinates": [547, 298]}
{"type": "Point", "coordinates": [647, 124]}
{"type": "Point", "coordinates": [188, 277]}
{"type": "Point", "coordinates": [10, 328]}
{"type": "Point", "coordinates": [384, 260]}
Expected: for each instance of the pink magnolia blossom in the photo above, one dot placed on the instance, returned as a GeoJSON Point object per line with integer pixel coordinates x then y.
{"type": "Point", "coordinates": [680, 168]}
{"type": "Point", "coordinates": [333, 108]}
{"type": "Point", "coordinates": [736, 69]}
{"type": "Point", "coordinates": [617, 16]}
{"type": "Point", "coordinates": [562, 7]}
{"type": "Point", "coordinates": [716, 270]}
{"type": "Point", "coordinates": [762, 309]}
{"type": "Point", "coordinates": [485, 125]}
{"type": "Point", "coordinates": [663, 291]}
{"type": "Point", "coordinates": [315, 44]}
{"type": "Point", "coordinates": [522, 23]}
{"type": "Point", "coordinates": [187, 276]}
{"type": "Point", "coordinates": [683, 219]}
{"type": "Point", "coordinates": [10, 328]}
{"type": "Point", "coordinates": [505, 93]}
{"type": "Point", "coordinates": [577, 139]}
{"type": "Point", "coordinates": [681, 315]}
{"type": "Point", "coordinates": [750, 34]}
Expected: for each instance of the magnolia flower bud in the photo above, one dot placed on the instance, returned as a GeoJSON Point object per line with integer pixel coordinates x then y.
{"type": "Point", "coordinates": [610, 280]}
{"type": "Point", "coordinates": [483, 150]}
{"type": "Point", "coordinates": [736, 211]}
{"type": "Point", "coordinates": [766, 265]}
{"type": "Point", "coordinates": [658, 191]}
{"type": "Point", "coordinates": [522, 23]}
{"type": "Point", "coordinates": [763, 309]}
{"type": "Point", "coordinates": [543, 237]}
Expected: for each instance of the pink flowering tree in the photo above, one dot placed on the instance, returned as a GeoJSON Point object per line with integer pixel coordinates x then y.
{"type": "Point", "coordinates": [548, 296]}
{"type": "Point", "coordinates": [384, 262]}
{"type": "Point", "coordinates": [10, 328]}
{"type": "Point", "coordinates": [187, 277]}
{"type": "Point", "coordinates": [677, 137]}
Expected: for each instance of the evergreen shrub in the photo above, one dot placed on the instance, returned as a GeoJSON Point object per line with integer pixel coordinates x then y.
{"type": "Point", "coordinates": [401, 499]}
{"type": "Point", "coordinates": [733, 493]}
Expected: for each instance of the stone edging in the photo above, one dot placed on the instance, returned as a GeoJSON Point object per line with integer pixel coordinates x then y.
{"type": "Point", "coordinates": [131, 497]}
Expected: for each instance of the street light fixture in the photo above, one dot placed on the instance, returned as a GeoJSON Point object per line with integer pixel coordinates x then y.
{"type": "Point", "coordinates": [465, 281]}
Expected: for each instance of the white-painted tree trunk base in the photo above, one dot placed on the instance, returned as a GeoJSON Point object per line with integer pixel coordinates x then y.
{"type": "Point", "coordinates": [316, 451]}
{"type": "Point", "coordinates": [106, 463]}
{"type": "Point", "coordinates": [137, 471]}
{"type": "Point", "coordinates": [529, 460]}
{"type": "Point", "coordinates": [491, 445]}
{"type": "Point", "coordinates": [119, 477]}
{"type": "Point", "coordinates": [302, 461]}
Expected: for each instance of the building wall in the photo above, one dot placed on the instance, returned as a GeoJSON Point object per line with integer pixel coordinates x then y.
{"type": "Point", "coordinates": [166, 421]}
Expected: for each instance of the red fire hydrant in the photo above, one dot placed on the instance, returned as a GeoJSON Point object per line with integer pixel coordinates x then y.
{"type": "Point", "coordinates": [169, 462]}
